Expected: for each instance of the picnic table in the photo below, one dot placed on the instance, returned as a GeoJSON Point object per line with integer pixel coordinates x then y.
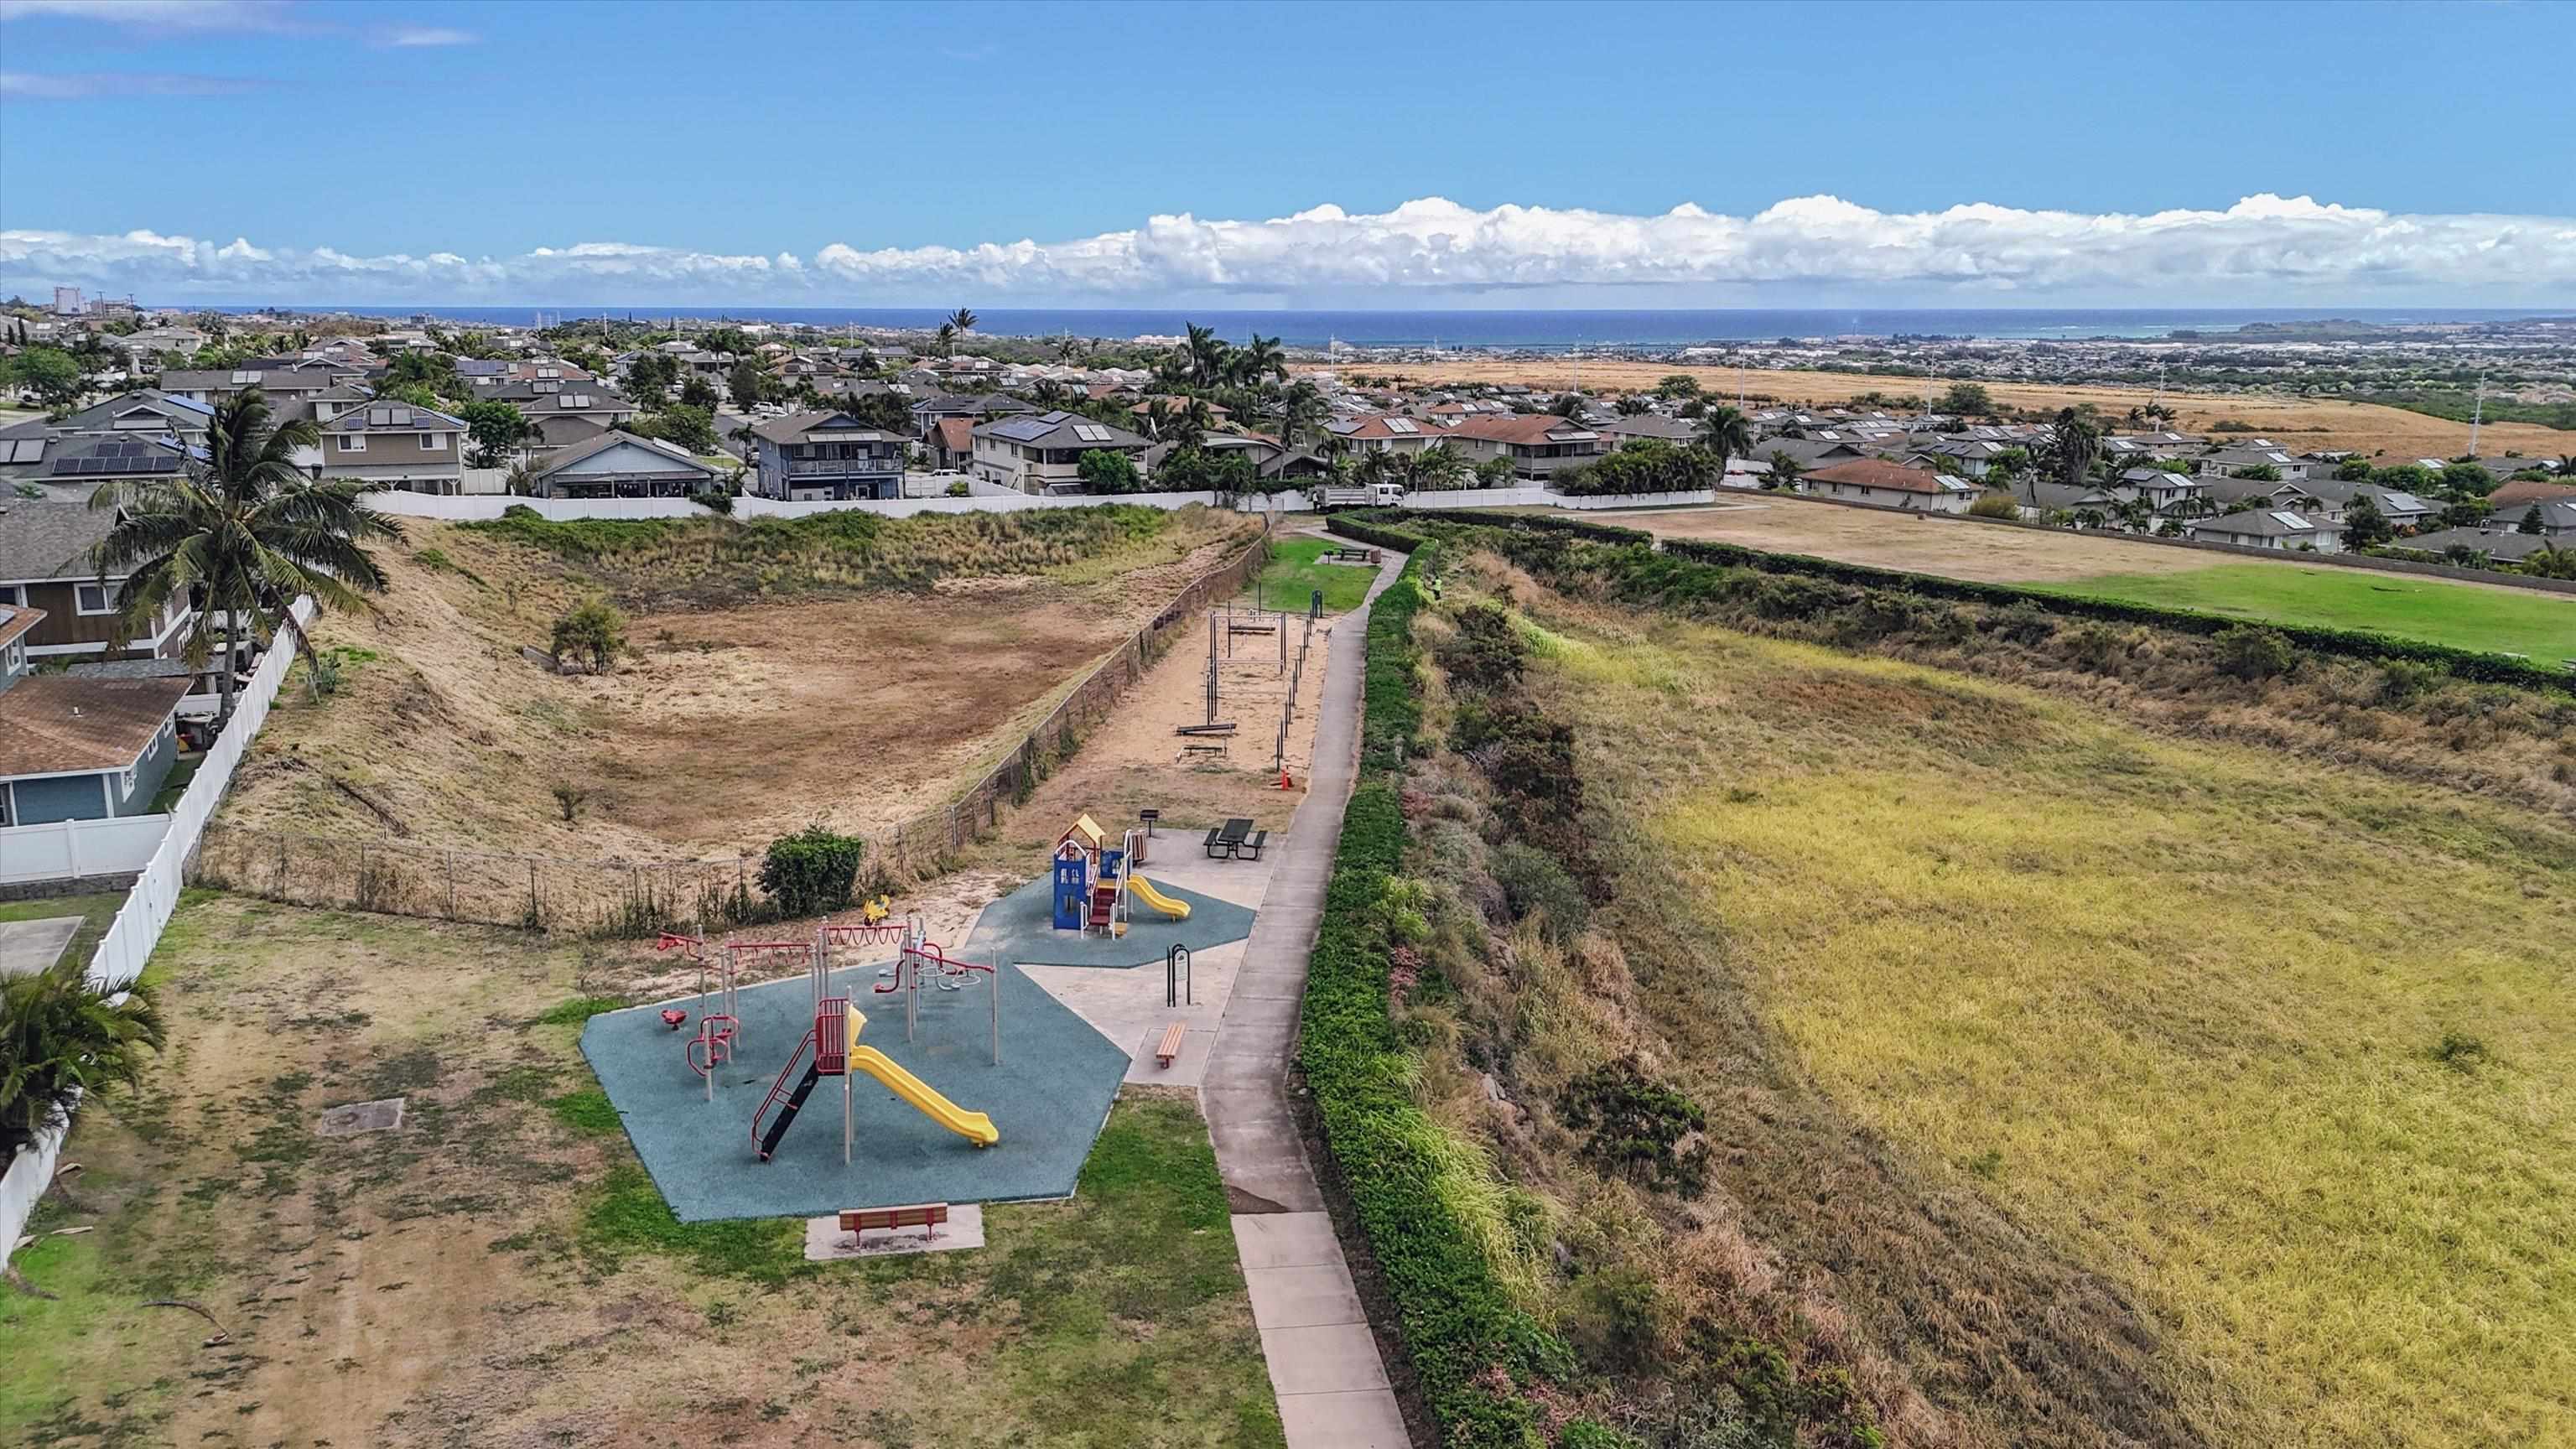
{"type": "Point", "coordinates": [1236, 840]}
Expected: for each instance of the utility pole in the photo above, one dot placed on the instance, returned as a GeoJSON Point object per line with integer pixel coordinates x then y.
{"type": "Point", "coordinates": [2478, 414]}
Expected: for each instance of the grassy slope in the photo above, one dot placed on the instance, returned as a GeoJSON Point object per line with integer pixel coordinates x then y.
{"type": "Point", "coordinates": [2178, 1008]}
{"type": "Point", "coordinates": [1296, 570]}
{"type": "Point", "coordinates": [2511, 621]}
{"type": "Point", "coordinates": [542, 1281]}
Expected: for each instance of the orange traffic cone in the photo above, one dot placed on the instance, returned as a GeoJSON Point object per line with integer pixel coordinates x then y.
{"type": "Point", "coordinates": [1284, 782]}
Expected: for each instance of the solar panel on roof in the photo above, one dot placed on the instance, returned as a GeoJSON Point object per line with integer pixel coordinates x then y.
{"type": "Point", "coordinates": [2289, 520]}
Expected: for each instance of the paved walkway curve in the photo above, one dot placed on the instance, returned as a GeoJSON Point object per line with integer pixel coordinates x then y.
{"type": "Point", "coordinates": [1324, 1364]}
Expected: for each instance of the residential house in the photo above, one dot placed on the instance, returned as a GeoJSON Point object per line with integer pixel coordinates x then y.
{"type": "Point", "coordinates": [2554, 517]}
{"type": "Point", "coordinates": [1538, 447]}
{"type": "Point", "coordinates": [2507, 493]}
{"type": "Point", "coordinates": [2170, 494]}
{"type": "Point", "coordinates": [1891, 485]}
{"type": "Point", "coordinates": [2332, 498]}
{"type": "Point", "coordinates": [2091, 504]}
{"type": "Point", "coordinates": [1622, 431]}
{"type": "Point", "coordinates": [278, 384]}
{"type": "Point", "coordinates": [2498, 545]}
{"type": "Point", "coordinates": [952, 444]}
{"type": "Point", "coordinates": [1384, 433]}
{"type": "Point", "coordinates": [1042, 452]}
{"type": "Point", "coordinates": [1975, 457]}
{"type": "Point", "coordinates": [827, 455]}
{"type": "Point", "coordinates": [410, 448]}
{"type": "Point", "coordinates": [2269, 528]}
{"type": "Point", "coordinates": [928, 409]}
{"type": "Point", "coordinates": [622, 465]}
{"type": "Point", "coordinates": [2229, 459]}
{"type": "Point", "coordinates": [79, 749]}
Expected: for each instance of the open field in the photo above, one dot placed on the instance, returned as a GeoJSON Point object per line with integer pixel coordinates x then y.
{"type": "Point", "coordinates": [499, 1271]}
{"type": "Point", "coordinates": [769, 675]}
{"type": "Point", "coordinates": [2504, 620]}
{"type": "Point", "coordinates": [1296, 572]}
{"type": "Point", "coordinates": [2301, 423]}
{"type": "Point", "coordinates": [2243, 1082]}
{"type": "Point", "coordinates": [2466, 613]}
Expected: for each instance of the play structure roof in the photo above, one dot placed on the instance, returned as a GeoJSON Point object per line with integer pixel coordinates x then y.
{"type": "Point", "coordinates": [1086, 830]}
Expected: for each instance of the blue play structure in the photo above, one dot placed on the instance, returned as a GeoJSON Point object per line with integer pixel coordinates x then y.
{"type": "Point", "coordinates": [1087, 879]}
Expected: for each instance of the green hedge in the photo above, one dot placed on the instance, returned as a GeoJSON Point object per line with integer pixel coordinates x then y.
{"type": "Point", "coordinates": [2345, 643]}
{"type": "Point", "coordinates": [1457, 1319]}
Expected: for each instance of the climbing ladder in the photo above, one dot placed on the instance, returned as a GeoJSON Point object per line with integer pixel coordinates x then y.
{"type": "Point", "coordinates": [824, 1052]}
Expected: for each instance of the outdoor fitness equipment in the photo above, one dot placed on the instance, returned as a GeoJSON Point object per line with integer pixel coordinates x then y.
{"type": "Point", "coordinates": [719, 1030]}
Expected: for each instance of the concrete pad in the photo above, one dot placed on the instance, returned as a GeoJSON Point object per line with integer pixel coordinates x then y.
{"type": "Point", "coordinates": [27, 947]}
{"type": "Point", "coordinates": [1285, 1240]}
{"type": "Point", "coordinates": [1307, 1297]}
{"type": "Point", "coordinates": [1361, 1419]}
{"type": "Point", "coordinates": [826, 1243]}
{"type": "Point", "coordinates": [1326, 1359]}
{"type": "Point", "coordinates": [382, 1115]}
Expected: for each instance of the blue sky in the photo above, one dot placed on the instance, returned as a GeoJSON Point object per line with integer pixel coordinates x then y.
{"type": "Point", "coordinates": [700, 139]}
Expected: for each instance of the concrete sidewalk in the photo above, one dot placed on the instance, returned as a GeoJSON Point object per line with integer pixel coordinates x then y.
{"type": "Point", "coordinates": [1324, 1365]}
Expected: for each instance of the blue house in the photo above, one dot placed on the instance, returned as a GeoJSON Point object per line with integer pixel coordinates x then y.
{"type": "Point", "coordinates": [79, 749]}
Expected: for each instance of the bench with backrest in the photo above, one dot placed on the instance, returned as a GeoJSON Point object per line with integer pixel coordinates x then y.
{"type": "Point", "coordinates": [1170, 1046]}
{"type": "Point", "coordinates": [1353, 555]}
{"type": "Point", "coordinates": [928, 1216]}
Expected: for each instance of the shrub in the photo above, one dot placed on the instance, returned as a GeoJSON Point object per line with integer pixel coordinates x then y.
{"type": "Point", "coordinates": [60, 1039]}
{"type": "Point", "coordinates": [1486, 654]}
{"type": "Point", "coordinates": [2406, 678]}
{"type": "Point", "coordinates": [1535, 883]}
{"type": "Point", "coordinates": [1994, 505]}
{"type": "Point", "coordinates": [1635, 1127]}
{"type": "Point", "coordinates": [1622, 1317]}
{"type": "Point", "coordinates": [714, 501]}
{"type": "Point", "coordinates": [2461, 1052]}
{"type": "Point", "coordinates": [959, 489]}
{"type": "Point", "coordinates": [591, 636]}
{"type": "Point", "coordinates": [2252, 652]}
{"type": "Point", "coordinates": [811, 872]}
{"type": "Point", "coordinates": [569, 798]}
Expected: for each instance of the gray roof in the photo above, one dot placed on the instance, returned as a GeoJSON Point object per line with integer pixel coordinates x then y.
{"type": "Point", "coordinates": [665, 457]}
{"type": "Point", "coordinates": [49, 538]}
{"type": "Point", "coordinates": [2503, 544]}
{"type": "Point", "coordinates": [2260, 523]}
{"type": "Point", "coordinates": [2063, 495]}
{"type": "Point", "coordinates": [1060, 429]}
{"type": "Point", "coordinates": [388, 416]}
{"type": "Point", "coordinates": [960, 404]}
{"type": "Point", "coordinates": [795, 427]}
{"type": "Point", "coordinates": [227, 379]}
{"type": "Point", "coordinates": [133, 669]}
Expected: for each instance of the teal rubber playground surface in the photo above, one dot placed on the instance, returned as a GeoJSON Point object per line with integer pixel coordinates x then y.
{"type": "Point", "coordinates": [1020, 929]}
{"type": "Point", "coordinates": [1047, 1100]}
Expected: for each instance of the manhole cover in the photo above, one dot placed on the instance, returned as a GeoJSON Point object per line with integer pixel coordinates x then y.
{"type": "Point", "coordinates": [357, 1117]}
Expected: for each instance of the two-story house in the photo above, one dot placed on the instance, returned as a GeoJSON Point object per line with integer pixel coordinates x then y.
{"type": "Point", "coordinates": [826, 455]}
{"type": "Point", "coordinates": [1384, 433]}
{"type": "Point", "coordinates": [2231, 460]}
{"type": "Point", "coordinates": [407, 447]}
{"type": "Point", "coordinates": [1042, 452]}
{"type": "Point", "coordinates": [1538, 448]}
{"type": "Point", "coordinates": [2168, 493]}
{"type": "Point", "coordinates": [45, 564]}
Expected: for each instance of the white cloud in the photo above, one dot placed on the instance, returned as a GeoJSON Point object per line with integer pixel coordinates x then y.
{"type": "Point", "coordinates": [81, 86]}
{"type": "Point", "coordinates": [161, 16]}
{"type": "Point", "coordinates": [2263, 249]}
{"type": "Point", "coordinates": [411, 36]}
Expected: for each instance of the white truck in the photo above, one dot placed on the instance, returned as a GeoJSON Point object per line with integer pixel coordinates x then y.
{"type": "Point", "coordinates": [1363, 495]}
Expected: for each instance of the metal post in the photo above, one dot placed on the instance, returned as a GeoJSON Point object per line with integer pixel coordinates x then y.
{"type": "Point", "coordinates": [994, 1006]}
{"type": "Point", "coordinates": [912, 1000]}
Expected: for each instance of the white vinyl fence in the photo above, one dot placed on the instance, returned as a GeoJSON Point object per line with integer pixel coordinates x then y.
{"type": "Point", "coordinates": [130, 938]}
{"type": "Point", "coordinates": [68, 849]}
{"type": "Point", "coordinates": [465, 509]}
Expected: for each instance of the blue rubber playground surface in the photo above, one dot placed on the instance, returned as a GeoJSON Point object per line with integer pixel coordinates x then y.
{"type": "Point", "coordinates": [1019, 929]}
{"type": "Point", "coordinates": [1047, 1099]}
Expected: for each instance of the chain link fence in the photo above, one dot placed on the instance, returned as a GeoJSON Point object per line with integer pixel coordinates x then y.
{"type": "Point", "coordinates": [399, 877]}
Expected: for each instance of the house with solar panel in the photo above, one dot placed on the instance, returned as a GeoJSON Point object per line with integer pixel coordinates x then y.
{"type": "Point", "coordinates": [45, 550]}
{"type": "Point", "coordinates": [403, 446]}
{"type": "Point", "coordinates": [1042, 452]}
{"type": "Point", "coordinates": [2269, 528]}
{"type": "Point", "coordinates": [1384, 433]}
{"type": "Point", "coordinates": [824, 455]}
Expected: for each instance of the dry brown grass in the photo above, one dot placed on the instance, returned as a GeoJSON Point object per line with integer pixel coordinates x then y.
{"type": "Point", "coordinates": [731, 724]}
{"type": "Point", "coordinates": [2303, 423]}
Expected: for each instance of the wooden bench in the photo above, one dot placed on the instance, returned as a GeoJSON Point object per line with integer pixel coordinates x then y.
{"type": "Point", "coordinates": [1353, 555]}
{"type": "Point", "coordinates": [1250, 846]}
{"type": "Point", "coordinates": [928, 1216]}
{"type": "Point", "coordinates": [1203, 749]}
{"type": "Point", "coordinates": [1170, 1046]}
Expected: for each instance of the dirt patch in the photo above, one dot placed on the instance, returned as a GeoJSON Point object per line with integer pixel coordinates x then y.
{"type": "Point", "coordinates": [1920, 545]}
{"type": "Point", "coordinates": [727, 726]}
{"type": "Point", "coordinates": [2303, 423]}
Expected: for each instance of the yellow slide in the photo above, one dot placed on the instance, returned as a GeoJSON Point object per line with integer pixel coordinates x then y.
{"type": "Point", "coordinates": [975, 1127]}
{"type": "Point", "coordinates": [1143, 890]}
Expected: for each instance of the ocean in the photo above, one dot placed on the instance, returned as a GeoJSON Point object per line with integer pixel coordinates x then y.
{"type": "Point", "coordinates": [1542, 331]}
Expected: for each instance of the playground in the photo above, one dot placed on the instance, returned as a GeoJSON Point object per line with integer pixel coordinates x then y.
{"type": "Point", "coordinates": [500, 1268]}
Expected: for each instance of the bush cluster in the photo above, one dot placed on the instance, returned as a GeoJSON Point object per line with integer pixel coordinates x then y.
{"type": "Point", "coordinates": [811, 872]}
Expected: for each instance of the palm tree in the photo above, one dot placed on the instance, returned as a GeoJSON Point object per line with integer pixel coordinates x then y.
{"type": "Point", "coordinates": [1066, 349]}
{"type": "Point", "coordinates": [1302, 407]}
{"type": "Point", "coordinates": [1262, 358]}
{"type": "Point", "coordinates": [1726, 433]}
{"type": "Point", "coordinates": [61, 1036]}
{"type": "Point", "coordinates": [1438, 466]}
{"type": "Point", "coordinates": [1205, 353]}
{"type": "Point", "coordinates": [964, 320]}
{"type": "Point", "coordinates": [1783, 473]}
{"type": "Point", "coordinates": [2566, 466]}
{"type": "Point", "coordinates": [243, 531]}
{"type": "Point", "coordinates": [1154, 419]}
{"type": "Point", "coordinates": [947, 336]}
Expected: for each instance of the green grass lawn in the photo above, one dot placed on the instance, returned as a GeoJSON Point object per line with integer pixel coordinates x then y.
{"type": "Point", "coordinates": [2511, 621]}
{"type": "Point", "coordinates": [1297, 569]}
{"type": "Point", "coordinates": [181, 772]}
{"type": "Point", "coordinates": [97, 912]}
